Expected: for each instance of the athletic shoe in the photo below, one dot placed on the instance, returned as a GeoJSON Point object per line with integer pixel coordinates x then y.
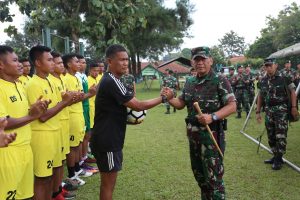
{"type": "Point", "coordinates": [83, 173]}
{"type": "Point", "coordinates": [59, 197]}
{"type": "Point", "coordinates": [78, 180]}
{"type": "Point", "coordinates": [90, 159]}
{"type": "Point", "coordinates": [70, 185]}
{"type": "Point", "coordinates": [68, 195]}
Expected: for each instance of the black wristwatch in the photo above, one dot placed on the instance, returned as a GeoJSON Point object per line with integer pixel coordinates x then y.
{"type": "Point", "coordinates": [164, 99]}
{"type": "Point", "coordinates": [214, 117]}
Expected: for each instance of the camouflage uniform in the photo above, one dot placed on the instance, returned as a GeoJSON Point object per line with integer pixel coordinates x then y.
{"type": "Point", "coordinates": [171, 82]}
{"type": "Point", "coordinates": [230, 79]}
{"type": "Point", "coordinates": [250, 87]}
{"type": "Point", "coordinates": [212, 92]}
{"type": "Point", "coordinates": [241, 93]}
{"type": "Point", "coordinates": [128, 81]}
{"type": "Point", "coordinates": [274, 95]}
{"type": "Point", "coordinates": [291, 73]}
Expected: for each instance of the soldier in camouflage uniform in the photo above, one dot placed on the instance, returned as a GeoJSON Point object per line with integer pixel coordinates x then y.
{"type": "Point", "coordinates": [273, 93]}
{"type": "Point", "coordinates": [230, 78]}
{"type": "Point", "coordinates": [217, 101]}
{"type": "Point", "coordinates": [240, 82]}
{"type": "Point", "coordinates": [288, 70]}
{"type": "Point", "coordinates": [171, 82]}
{"type": "Point", "coordinates": [250, 86]}
{"type": "Point", "coordinates": [129, 82]}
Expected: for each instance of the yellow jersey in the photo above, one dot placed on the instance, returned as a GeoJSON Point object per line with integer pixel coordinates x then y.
{"type": "Point", "coordinates": [14, 103]}
{"type": "Point", "coordinates": [74, 84]}
{"type": "Point", "coordinates": [99, 77]}
{"type": "Point", "coordinates": [43, 87]}
{"type": "Point", "coordinates": [60, 87]}
{"type": "Point", "coordinates": [24, 80]}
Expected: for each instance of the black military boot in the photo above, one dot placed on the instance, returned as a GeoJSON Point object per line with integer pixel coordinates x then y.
{"type": "Point", "coordinates": [239, 115]}
{"type": "Point", "coordinates": [168, 111]}
{"type": "Point", "coordinates": [277, 164]}
{"type": "Point", "coordinates": [174, 110]}
{"type": "Point", "coordinates": [269, 161]}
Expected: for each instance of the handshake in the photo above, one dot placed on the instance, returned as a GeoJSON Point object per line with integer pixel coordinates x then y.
{"type": "Point", "coordinates": [167, 93]}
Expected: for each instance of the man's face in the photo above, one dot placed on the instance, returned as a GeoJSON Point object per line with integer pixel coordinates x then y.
{"type": "Point", "coordinates": [271, 69]}
{"type": "Point", "coordinates": [74, 64]}
{"type": "Point", "coordinates": [240, 70]}
{"type": "Point", "coordinates": [248, 70]}
{"type": "Point", "coordinates": [45, 62]}
{"type": "Point", "coordinates": [58, 65]}
{"type": "Point", "coordinates": [94, 72]}
{"type": "Point", "coordinates": [287, 65]}
{"type": "Point", "coordinates": [231, 72]}
{"type": "Point", "coordinates": [26, 68]}
{"type": "Point", "coordinates": [202, 65]}
{"type": "Point", "coordinates": [10, 66]}
{"type": "Point", "coordinates": [82, 63]}
{"type": "Point", "coordinates": [119, 63]}
{"type": "Point", "coordinates": [298, 66]}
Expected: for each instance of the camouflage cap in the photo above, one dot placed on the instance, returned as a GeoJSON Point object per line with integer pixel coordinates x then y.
{"type": "Point", "coordinates": [269, 61]}
{"type": "Point", "coordinates": [238, 66]}
{"type": "Point", "coordinates": [231, 68]}
{"type": "Point", "coordinates": [203, 52]}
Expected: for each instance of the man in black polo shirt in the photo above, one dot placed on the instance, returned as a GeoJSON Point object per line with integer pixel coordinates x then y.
{"type": "Point", "coordinates": [110, 119]}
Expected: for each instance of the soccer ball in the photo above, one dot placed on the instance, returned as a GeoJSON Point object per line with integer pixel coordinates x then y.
{"type": "Point", "coordinates": [135, 117]}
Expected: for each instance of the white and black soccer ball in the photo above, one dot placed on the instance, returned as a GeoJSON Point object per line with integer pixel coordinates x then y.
{"type": "Point", "coordinates": [135, 117]}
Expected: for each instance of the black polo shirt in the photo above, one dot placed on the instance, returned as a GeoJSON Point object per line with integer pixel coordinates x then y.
{"type": "Point", "coordinates": [110, 115]}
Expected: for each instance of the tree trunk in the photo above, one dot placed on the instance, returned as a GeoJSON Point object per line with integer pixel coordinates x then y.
{"type": "Point", "coordinates": [139, 67]}
{"type": "Point", "coordinates": [133, 65]}
{"type": "Point", "coordinates": [75, 38]}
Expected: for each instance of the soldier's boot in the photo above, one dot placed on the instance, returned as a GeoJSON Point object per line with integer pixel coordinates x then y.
{"type": "Point", "coordinates": [174, 110]}
{"type": "Point", "coordinates": [168, 111]}
{"type": "Point", "coordinates": [277, 165]}
{"type": "Point", "coordinates": [269, 161]}
{"type": "Point", "coordinates": [238, 115]}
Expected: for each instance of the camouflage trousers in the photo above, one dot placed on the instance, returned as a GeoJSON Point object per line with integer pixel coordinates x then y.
{"type": "Point", "coordinates": [276, 122]}
{"type": "Point", "coordinates": [206, 163]}
{"type": "Point", "coordinates": [251, 93]}
{"type": "Point", "coordinates": [242, 98]}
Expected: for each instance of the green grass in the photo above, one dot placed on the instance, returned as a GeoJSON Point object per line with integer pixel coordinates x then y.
{"type": "Point", "coordinates": [157, 166]}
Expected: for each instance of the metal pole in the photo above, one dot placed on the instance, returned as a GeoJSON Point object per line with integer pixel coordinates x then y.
{"type": "Point", "coordinates": [295, 167]}
{"type": "Point", "coordinates": [298, 89]}
{"type": "Point", "coordinates": [250, 111]}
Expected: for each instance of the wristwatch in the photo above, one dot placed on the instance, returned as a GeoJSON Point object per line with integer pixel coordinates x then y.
{"type": "Point", "coordinates": [214, 117]}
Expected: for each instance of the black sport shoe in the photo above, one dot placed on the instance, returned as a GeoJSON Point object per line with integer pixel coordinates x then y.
{"type": "Point", "coordinates": [277, 165]}
{"type": "Point", "coordinates": [269, 161]}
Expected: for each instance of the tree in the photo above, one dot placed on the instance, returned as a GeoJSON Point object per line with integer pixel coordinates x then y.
{"type": "Point", "coordinates": [218, 56]}
{"type": "Point", "coordinates": [232, 44]}
{"type": "Point", "coordinates": [280, 32]}
{"type": "Point", "coordinates": [164, 31]}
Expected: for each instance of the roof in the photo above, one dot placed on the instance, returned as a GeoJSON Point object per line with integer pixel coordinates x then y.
{"type": "Point", "coordinates": [174, 66]}
{"type": "Point", "coordinates": [237, 59]}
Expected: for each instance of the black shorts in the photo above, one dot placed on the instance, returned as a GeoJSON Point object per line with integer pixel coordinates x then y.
{"type": "Point", "coordinates": [109, 161]}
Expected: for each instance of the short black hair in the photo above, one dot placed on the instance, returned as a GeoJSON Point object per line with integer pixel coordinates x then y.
{"type": "Point", "coordinates": [55, 54]}
{"type": "Point", "coordinates": [79, 56]}
{"type": "Point", "coordinates": [23, 60]}
{"type": "Point", "coordinates": [5, 50]}
{"type": "Point", "coordinates": [92, 65]}
{"type": "Point", "coordinates": [36, 51]}
{"type": "Point", "coordinates": [113, 49]}
{"type": "Point", "coordinates": [66, 58]}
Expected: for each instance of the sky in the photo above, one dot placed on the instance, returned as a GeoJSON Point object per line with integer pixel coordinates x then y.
{"type": "Point", "coordinates": [212, 19]}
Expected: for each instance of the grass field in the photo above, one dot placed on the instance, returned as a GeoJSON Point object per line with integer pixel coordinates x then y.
{"type": "Point", "coordinates": [157, 166]}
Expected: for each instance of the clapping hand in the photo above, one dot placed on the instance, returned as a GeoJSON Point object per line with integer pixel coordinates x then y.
{"type": "Point", "coordinates": [5, 139]}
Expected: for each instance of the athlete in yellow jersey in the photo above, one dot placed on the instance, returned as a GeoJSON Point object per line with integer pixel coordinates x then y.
{"type": "Point", "coordinates": [45, 141]}
{"type": "Point", "coordinates": [92, 80]}
{"type": "Point", "coordinates": [25, 78]}
{"type": "Point", "coordinates": [77, 129]}
{"type": "Point", "coordinates": [16, 161]}
{"type": "Point", "coordinates": [101, 72]}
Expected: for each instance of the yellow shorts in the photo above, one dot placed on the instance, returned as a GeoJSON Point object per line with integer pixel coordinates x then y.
{"type": "Point", "coordinates": [62, 147]}
{"type": "Point", "coordinates": [76, 129]}
{"type": "Point", "coordinates": [16, 172]}
{"type": "Point", "coordinates": [65, 124]}
{"type": "Point", "coordinates": [92, 115]}
{"type": "Point", "coordinates": [46, 150]}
